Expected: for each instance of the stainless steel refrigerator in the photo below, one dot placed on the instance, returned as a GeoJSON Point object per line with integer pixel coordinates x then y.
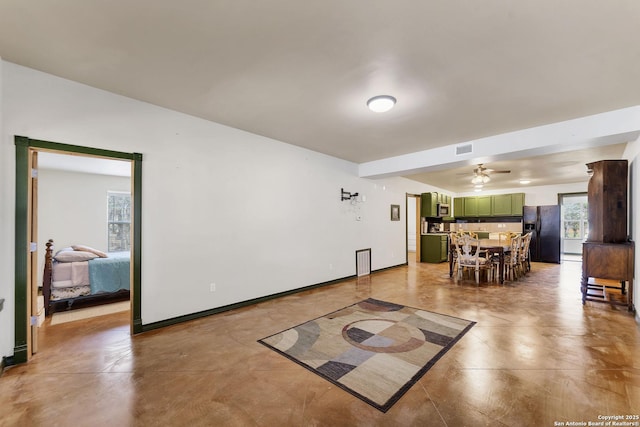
{"type": "Point", "coordinates": [544, 224]}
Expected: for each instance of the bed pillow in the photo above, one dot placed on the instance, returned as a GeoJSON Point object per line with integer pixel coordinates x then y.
{"type": "Point", "coordinates": [67, 249]}
{"type": "Point", "coordinates": [75, 256]}
{"type": "Point", "coordinates": [89, 249]}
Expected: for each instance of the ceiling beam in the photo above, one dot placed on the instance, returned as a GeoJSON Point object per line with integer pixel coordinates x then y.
{"type": "Point", "coordinates": [613, 127]}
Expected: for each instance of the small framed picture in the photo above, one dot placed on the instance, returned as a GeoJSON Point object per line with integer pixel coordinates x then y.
{"type": "Point", "coordinates": [395, 212]}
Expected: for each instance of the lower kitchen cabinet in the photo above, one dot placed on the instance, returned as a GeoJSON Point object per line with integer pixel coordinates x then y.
{"type": "Point", "coordinates": [434, 247]}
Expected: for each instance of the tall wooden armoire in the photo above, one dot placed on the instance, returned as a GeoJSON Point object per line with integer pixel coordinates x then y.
{"type": "Point", "coordinates": [607, 254]}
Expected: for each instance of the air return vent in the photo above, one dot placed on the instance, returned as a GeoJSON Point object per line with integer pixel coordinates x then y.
{"type": "Point", "coordinates": [464, 149]}
{"type": "Point", "coordinates": [363, 262]}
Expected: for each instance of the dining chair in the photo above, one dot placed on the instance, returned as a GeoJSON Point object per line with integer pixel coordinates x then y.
{"type": "Point", "coordinates": [512, 258]}
{"type": "Point", "coordinates": [525, 261]}
{"type": "Point", "coordinates": [452, 252]}
{"type": "Point", "coordinates": [469, 257]}
{"type": "Point", "coordinates": [468, 233]}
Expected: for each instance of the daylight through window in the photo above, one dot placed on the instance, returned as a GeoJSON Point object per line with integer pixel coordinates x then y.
{"type": "Point", "coordinates": [119, 221]}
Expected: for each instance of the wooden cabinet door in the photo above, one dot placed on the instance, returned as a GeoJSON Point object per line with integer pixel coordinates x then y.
{"type": "Point", "coordinates": [484, 206]}
{"type": "Point", "coordinates": [501, 204]}
{"type": "Point", "coordinates": [517, 203]}
{"type": "Point", "coordinates": [458, 207]}
{"type": "Point", "coordinates": [470, 206]}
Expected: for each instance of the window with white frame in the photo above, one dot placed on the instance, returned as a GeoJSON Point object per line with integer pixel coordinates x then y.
{"type": "Point", "coordinates": [119, 221]}
{"type": "Point", "coordinates": [575, 222]}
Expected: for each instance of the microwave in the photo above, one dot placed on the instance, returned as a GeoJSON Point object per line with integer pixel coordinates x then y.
{"type": "Point", "coordinates": [443, 210]}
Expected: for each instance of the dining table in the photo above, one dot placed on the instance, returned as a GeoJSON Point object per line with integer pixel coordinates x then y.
{"type": "Point", "coordinates": [497, 247]}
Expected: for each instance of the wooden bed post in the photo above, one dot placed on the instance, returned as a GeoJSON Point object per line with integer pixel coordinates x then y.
{"type": "Point", "coordinates": [47, 276]}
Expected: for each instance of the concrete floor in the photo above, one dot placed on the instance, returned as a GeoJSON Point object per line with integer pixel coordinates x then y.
{"type": "Point", "coordinates": [536, 357]}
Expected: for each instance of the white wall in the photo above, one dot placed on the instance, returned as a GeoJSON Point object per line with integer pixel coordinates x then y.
{"type": "Point", "coordinates": [72, 207]}
{"type": "Point", "coordinates": [254, 215]}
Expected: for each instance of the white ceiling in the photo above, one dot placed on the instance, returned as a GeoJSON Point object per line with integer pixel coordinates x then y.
{"type": "Point", "coordinates": [301, 71]}
{"type": "Point", "coordinates": [558, 168]}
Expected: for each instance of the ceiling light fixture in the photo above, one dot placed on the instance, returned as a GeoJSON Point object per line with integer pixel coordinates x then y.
{"type": "Point", "coordinates": [381, 103]}
{"type": "Point", "coordinates": [480, 178]}
{"type": "Point", "coordinates": [524, 181]}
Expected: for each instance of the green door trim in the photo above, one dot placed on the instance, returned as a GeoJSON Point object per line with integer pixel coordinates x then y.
{"type": "Point", "coordinates": [23, 144]}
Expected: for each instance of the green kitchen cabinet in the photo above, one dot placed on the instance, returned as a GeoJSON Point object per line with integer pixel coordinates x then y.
{"type": "Point", "coordinates": [458, 207]}
{"type": "Point", "coordinates": [428, 204]}
{"type": "Point", "coordinates": [507, 204]}
{"type": "Point", "coordinates": [484, 205]}
{"type": "Point", "coordinates": [470, 206]}
{"type": "Point", "coordinates": [477, 206]}
{"type": "Point", "coordinates": [499, 205]}
{"type": "Point", "coordinates": [444, 199]}
{"type": "Point", "coordinates": [502, 204]}
{"type": "Point", "coordinates": [517, 203]}
{"type": "Point", "coordinates": [434, 248]}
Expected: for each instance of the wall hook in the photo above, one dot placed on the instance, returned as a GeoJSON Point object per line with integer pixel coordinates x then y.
{"type": "Point", "coordinates": [345, 195]}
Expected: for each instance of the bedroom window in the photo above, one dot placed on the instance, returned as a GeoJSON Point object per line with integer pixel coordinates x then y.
{"type": "Point", "coordinates": [119, 221]}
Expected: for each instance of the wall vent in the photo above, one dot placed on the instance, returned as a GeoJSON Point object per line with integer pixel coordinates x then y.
{"type": "Point", "coordinates": [464, 149]}
{"type": "Point", "coordinates": [363, 262]}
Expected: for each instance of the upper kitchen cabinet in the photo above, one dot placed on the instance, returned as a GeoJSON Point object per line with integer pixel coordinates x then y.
{"type": "Point", "coordinates": [500, 205]}
{"type": "Point", "coordinates": [428, 204]}
{"type": "Point", "coordinates": [484, 205]}
{"type": "Point", "coordinates": [458, 207]}
{"type": "Point", "coordinates": [431, 205]}
{"type": "Point", "coordinates": [470, 207]}
{"type": "Point", "coordinates": [507, 204]}
{"type": "Point", "coordinates": [477, 206]}
{"type": "Point", "coordinates": [517, 204]}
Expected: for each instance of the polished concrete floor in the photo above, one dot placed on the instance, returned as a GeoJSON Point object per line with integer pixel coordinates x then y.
{"type": "Point", "coordinates": [536, 357]}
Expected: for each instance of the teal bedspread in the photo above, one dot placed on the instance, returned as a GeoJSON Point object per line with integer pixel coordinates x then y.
{"type": "Point", "coordinates": [109, 274]}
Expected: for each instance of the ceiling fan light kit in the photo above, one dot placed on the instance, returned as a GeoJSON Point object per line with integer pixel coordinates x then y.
{"type": "Point", "coordinates": [480, 179]}
{"type": "Point", "coordinates": [481, 175]}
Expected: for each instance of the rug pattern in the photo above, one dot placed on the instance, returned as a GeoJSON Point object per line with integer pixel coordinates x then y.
{"type": "Point", "coordinates": [373, 349]}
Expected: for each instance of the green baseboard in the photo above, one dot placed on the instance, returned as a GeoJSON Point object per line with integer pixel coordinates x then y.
{"type": "Point", "coordinates": [205, 313]}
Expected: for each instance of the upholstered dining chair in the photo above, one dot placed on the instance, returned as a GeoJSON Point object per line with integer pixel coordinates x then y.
{"type": "Point", "coordinates": [512, 258]}
{"type": "Point", "coordinates": [469, 257]}
{"type": "Point", "coordinates": [525, 261]}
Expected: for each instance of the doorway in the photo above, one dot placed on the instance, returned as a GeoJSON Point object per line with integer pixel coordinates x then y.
{"type": "Point", "coordinates": [413, 227]}
{"type": "Point", "coordinates": [99, 192]}
{"type": "Point", "coordinates": [574, 218]}
{"type": "Point", "coordinates": [26, 250]}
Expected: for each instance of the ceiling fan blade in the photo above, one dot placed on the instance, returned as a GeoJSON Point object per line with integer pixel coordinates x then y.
{"type": "Point", "coordinates": [481, 170]}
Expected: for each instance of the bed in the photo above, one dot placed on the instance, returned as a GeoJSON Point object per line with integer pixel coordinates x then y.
{"type": "Point", "coordinates": [80, 276]}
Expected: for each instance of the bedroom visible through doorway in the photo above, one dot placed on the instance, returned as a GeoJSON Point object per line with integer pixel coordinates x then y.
{"type": "Point", "coordinates": [100, 192]}
{"type": "Point", "coordinates": [27, 268]}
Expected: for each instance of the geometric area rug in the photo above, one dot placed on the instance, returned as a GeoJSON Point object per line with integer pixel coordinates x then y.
{"type": "Point", "coordinates": [373, 349]}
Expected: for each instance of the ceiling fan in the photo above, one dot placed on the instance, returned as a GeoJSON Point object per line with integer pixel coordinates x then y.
{"type": "Point", "coordinates": [481, 174]}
